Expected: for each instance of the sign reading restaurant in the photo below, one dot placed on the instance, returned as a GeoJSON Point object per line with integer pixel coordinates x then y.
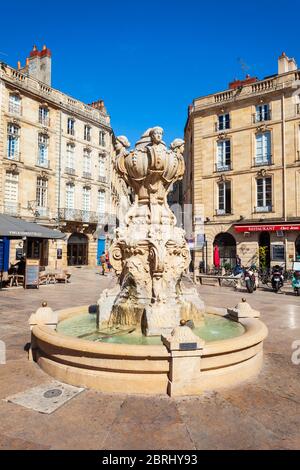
{"type": "Point", "coordinates": [265, 228]}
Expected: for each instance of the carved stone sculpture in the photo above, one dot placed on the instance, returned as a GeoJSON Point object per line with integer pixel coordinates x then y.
{"type": "Point", "coordinates": [149, 253]}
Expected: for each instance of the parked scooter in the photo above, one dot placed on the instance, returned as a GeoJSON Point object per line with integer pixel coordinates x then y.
{"type": "Point", "coordinates": [296, 282]}
{"type": "Point", "coordinates": [250, 281]}
{"type": "Point", "coordinates": [277, 278]}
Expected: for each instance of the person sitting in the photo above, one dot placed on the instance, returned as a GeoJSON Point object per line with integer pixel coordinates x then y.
{"type": "Point", "coordinates": [20, 266]}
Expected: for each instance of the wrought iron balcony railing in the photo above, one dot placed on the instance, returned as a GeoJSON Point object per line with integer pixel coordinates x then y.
{"type": "Point", "coordinates": [11, 208]}
{"type": "Point", "coordinates": [220, 167]}
{"type": "Point", "coordinates": [69, 170]}
{"type": "Point", "coordinates": [259, 209]}
{"type": "Point", "coordinates": [78, 215]}
{"type": "Point", "coordinates": [261, 117]}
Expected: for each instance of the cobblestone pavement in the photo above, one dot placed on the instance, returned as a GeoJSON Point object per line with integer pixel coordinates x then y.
{"type": "Point", "coordinates": [260, 414]}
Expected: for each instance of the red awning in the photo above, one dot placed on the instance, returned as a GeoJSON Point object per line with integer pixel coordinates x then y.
{"type": "Point", "coordinates": [266, 228]}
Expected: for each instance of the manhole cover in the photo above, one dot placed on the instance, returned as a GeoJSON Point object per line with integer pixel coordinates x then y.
{"type": "Point", "coordinates": [54, 392]}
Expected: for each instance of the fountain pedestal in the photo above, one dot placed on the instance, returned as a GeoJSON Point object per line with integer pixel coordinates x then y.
{"type": "Point", "coordinates": [150, 253]}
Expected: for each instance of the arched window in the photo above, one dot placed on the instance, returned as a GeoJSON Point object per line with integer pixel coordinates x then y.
{"type": "Point", "coordinates": [43, 150]}
{"type": "Point", "coordinates": [70, 159]}
{"type": "Point", "coordinates": [44, 115]}
{"type": "Point", "coordinates": [13, 134]}
{"type": "Point", "coordinates": [101, 167]}
{"type": "Point", "coordinates": [87, 163]}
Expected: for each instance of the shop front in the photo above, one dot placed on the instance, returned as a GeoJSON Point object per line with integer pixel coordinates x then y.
{"type": "Point", "coordinates": [276, 244]}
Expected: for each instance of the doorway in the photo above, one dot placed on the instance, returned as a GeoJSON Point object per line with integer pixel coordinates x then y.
{"type": "Point", "coordinates": [227, 249]}
{"type": "Point", "coordinates": [264, 250]}
{"type": "Point", "coordinates": [100, 249]}
{"type": "Point", "coordinates": [77, 249]}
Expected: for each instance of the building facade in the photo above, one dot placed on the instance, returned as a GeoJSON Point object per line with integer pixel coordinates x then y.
{"type": "Point", "coordinates": [243, 170]}
{"type": "Point", "coordinates": [55, 164]}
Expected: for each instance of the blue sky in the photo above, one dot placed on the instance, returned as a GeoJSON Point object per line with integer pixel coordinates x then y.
{"type": "Point", "coordinates": [148, 60]}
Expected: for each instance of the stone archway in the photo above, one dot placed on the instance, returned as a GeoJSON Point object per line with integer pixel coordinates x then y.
{"type": "Point", "coordinates": [227, 248]}
{"type": "Point", "coordinates": [78, 249]}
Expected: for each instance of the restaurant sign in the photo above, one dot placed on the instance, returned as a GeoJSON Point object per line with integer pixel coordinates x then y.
{"type": "Point", "coordinates": [266, 228]}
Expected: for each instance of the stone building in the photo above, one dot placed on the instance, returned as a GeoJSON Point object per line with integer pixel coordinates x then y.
{"type": "Point", "coordinates": [243, 170]}
{"type": "Point", "coordinates": [55, 164]}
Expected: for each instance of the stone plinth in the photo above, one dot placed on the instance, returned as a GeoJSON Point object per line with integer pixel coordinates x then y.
{"type": "Point", "coordinates": [185, 352]}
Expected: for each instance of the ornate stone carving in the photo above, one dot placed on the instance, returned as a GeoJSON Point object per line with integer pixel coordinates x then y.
{"type": "Point", "coordinates": [149, 253]}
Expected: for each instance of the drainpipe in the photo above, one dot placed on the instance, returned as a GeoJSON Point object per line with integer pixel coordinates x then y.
{"type": "Point", "coordinates": [59, 177]}
{"type": "Point", "coordinates": [284, 174]}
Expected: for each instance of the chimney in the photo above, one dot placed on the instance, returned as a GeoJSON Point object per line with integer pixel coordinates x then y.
{"type": "Point", "coordinates": [19, 65]}
{"type": "Point", "coordinates": [39, 64]}
{"type": "Point", "coordinates": [286, 64]}
{"type": "Point", "coordinates": [240, 83]}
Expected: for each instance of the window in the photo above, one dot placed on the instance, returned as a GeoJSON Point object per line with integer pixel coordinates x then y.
{"type": "Point", "coordinates": [263, 148]}
{"type": "Point", "coordinates": [223, 122]}
{"type": "Point", "coordinates": [224, 201]}
{"type": "Point", "coordinates": [70, 163]}
{"type": "Point", "coordinates": [70, 195]}
{"type": "Point", "coordinates": [262, 113]}
{"type": "Point", "coordinates": [87, 133]}
{"type": "Point", "coordinates": [13, 141]}
{"type": "Point", "coordinates": [43, 150]}
{"type": "Point", "coordinates": [264, 194]}
{"type": "Point", "coordinates": [44, 115]}
{"type": "Point", "coordinates": [14, 104]}
{"type": "Point", "coordinates": [223, 155]}
{"type": "Point", "coordinates": [101, 166]}
{"type": "Point", "coordinates": [41, 196]}
{"type": "Point", "coordinates": [11, 193]}
{"type": "Point", "coordinates": [87, 163]}
{"type": "Point", "coordinates": [101, 202]}
{"type": "Point", "coordinates": [86, 199]}
{"type": "Point", "coordinates": [71, 126]}
{"type": "Point", "coordinates": [102, 139]}
{"type": "Point", "coordinates": [278, 252]}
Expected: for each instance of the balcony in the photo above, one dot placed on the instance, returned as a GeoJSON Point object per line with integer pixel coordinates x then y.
{"type": "Point", "coordinates": [87, 175]}
{"type": "Point", "coordinates": [11, 208]}
{"type": "Point", "coordinates": [102, 179]}
{"type": "Point", "coordinates": [45, 121]}
{"type": "Point", "coordinates": [41, 212]}
{"type": "Point", "coordinates": [261, 117]}
{"type": "Point", "coordinates": [222, 126]}
{"type": "Point", "coordinates": [15, 157]}
{"type": "Point", "coordinates": [14, 108]}
{"type": "Point", "coordinates": [69, 170]}
{"type": "Point", "coordinates": [43, 163]}
{"type": "Point", "coordinates": [266, 161]}
{"type": "Point", "coordinates": [223, 212]}
{"type": "Point", "coordinates": [78, 215]}
{"type": "Point", "coordinates": [219, 167]}
{"type": "Point", "coordinates": [260, 209]}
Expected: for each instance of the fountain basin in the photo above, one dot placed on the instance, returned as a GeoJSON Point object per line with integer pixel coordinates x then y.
{"type": "Point", "coordinates": [131, 368]}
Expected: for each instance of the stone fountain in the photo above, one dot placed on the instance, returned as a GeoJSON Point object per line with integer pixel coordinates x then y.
{"type": "Point", "coordinates": [153, 334]}
{"type": "Point", "coordinates": [150, 253]}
